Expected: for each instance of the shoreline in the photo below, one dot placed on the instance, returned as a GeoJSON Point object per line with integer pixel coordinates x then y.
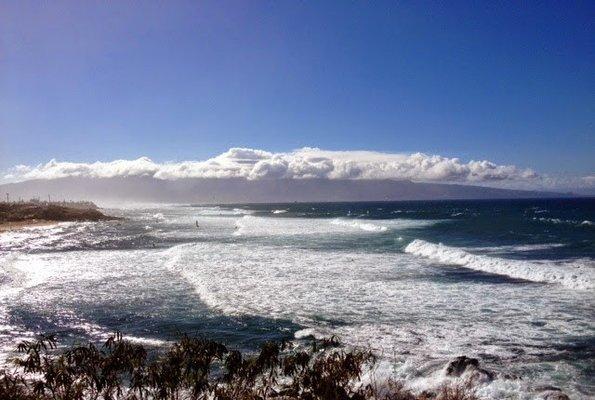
{"type": "Point", "coordinates": [11, 226]}
{"type": "Point", "coordinates": [15, 216]}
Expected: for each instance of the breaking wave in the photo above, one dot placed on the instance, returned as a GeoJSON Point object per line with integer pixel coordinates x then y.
{"type": "Point", "coordinates": [516, 248]}
{"type": "Point", "coordinates": [571, 275]}
{"type": "Point", "coordinates": [558, 221]}
{"type": "Point", "coordinates": [250, 225]}
{"type": "Point", "coordinates": [221, 211]}
{"type": "Point", "coordinates": [159, 217]}
{"type": "Point", "coordinates": [365, 226]}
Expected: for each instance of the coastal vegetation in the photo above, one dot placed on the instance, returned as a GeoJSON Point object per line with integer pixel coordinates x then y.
{"type": "Point", "coordinates": [196, 368]}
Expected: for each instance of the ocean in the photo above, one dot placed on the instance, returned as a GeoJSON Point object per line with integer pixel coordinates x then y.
{"type": "Point", "coordinates": [511, 283]}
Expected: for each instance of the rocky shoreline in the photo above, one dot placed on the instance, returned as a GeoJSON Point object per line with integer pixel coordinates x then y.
{"type": "Point", "coordinates": [24, 214]}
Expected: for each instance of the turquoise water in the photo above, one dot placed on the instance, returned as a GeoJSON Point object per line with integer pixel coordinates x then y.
{"type": "Point", "coordinates": [509, 282]}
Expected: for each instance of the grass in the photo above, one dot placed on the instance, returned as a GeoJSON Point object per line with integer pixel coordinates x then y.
{"type": "Point", "coordinates": [196, 368]}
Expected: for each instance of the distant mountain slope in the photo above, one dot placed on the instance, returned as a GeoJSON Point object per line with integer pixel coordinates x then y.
{"type": "Point", "coordinates": [148, 189]}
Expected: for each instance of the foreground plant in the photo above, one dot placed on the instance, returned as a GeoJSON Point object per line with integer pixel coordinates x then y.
{"type": "Point", "coordinates": [195, 368]}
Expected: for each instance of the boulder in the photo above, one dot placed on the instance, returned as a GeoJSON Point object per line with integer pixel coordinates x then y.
{"type": "Point", "coordinates": [554, 393]}
{"type": "Point", "coordinates": [460, 364]}
{"type": "Point", "coordinates": [470, 367]}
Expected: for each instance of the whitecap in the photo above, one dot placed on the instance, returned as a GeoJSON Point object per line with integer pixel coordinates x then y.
{"type": "Point", "coordinates": [358, 224]}
{"type": "Point", "coordinates": [571, 275]}
{"type": "Point", "coordinates": [250, 225]}
{"type": "Point", "coordinates": [515, 248]}
{"type": "Point", "coordinates": [221, 211]}
{"type": "Point", "coordinates": [152, 342]}
{"type": "Point", "coordinates": [159, 217]}
{"type": "Point", "coordinates": [558, 221]}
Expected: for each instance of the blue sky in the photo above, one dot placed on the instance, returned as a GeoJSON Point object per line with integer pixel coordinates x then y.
{"type": "Point", "coordinates": [510, 82]}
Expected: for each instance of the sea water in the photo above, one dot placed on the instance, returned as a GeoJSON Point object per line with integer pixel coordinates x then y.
{"type": "Point", "coordinates": [511, 283]}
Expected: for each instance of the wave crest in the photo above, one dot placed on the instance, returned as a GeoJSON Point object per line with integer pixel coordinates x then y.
{"type": "Point", "coordinates": [571, 275]}
{"type": "Point", "coordinates": [365, 226]}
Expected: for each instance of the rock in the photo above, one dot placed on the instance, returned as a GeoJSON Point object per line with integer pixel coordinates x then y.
{"type": "Point", "coordinates": [460, 364]}
{"type": "Point", "coordinates": [470, 367]}
{"type": "Point", "coordinates": [23, 212]}
{"type": "Point", "coordinates": [481, 375]}
{"type": "Point", "coordinates": [555, 395]}
{"type": "Point", "coordinates": [547, 388]}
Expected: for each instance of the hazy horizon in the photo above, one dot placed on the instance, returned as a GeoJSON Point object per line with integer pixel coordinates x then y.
{"type": "Point", "coordinates": [313, 163]}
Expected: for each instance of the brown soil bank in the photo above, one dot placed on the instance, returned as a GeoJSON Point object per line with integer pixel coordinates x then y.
{"type": "Point", "coordinates": [24, 212]}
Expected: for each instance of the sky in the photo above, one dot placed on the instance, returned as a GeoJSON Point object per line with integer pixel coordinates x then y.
{"type": "Point", "coordinates": [511, 83]}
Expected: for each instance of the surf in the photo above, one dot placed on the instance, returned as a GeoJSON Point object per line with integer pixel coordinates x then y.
{"type": "Point", "coordinates": [569, 274]}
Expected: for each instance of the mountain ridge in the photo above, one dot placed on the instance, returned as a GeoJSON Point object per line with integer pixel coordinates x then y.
{"type": "Point", "coordinates": [240, 190]}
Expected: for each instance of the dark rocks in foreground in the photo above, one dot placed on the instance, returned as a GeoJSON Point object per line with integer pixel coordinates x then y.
{"type": "Point", "coordinates": [552, 393]}
{"type": "Point", "coordinates": [469, 367]}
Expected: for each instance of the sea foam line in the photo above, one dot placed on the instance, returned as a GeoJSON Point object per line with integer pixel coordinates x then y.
{"type": "Point", "coordinates": [570, 275]}
{"type": "Point", "coordinates": [250, 225]}
{"type": "Point", "coordinates": [557, 221]}
{"type": "Point", "coordinates": [365, 226]}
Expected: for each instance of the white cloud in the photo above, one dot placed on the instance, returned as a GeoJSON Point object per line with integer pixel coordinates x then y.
{"type": "Point", "coordinates": [303, 163]}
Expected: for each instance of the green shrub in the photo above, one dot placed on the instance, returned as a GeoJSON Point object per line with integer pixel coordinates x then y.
{"type": "Point", "coordinates": [195, 368]}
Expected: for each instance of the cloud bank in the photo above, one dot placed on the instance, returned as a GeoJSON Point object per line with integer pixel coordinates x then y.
{"type": "Point", "coordinates": [305, 163]}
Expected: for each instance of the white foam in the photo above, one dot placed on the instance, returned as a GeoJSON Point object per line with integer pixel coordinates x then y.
{"type": "Point", "coordinates": [12, 282]}
{"type": "Point", "coordinates": [41, 236]}
{"type": "Point", "coordinates": [533, 247]}
{"type": "Point", "coordinates": [250, 225]}
{"type": "Point", "coordinates": [220, 211]}
{"type": "Point", "coordinates": [279, 211]}
{"type": "Point", "coordinates": [516, 248]}
{"type": "Point", "coordinates": [374, 297]}
{"type": "Point", "coordinates": [558, 221]}
{"type": "Point", "coordinates": [159, 217]}
{"type": "Point", "coordinates": [281, 282]}
{"type": "Point", "coordinates": [358, 224]}
{"type": "Point", "coordinates": [305, 333]}
{"type": "Point", "coordinates": [146, 341]}
{"type": "Point", "coordinates": [433, 377]}
{"type": "Point", "coordinates": [572, 275]}
{"type": "Point", "coordinates": [373, 300]}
